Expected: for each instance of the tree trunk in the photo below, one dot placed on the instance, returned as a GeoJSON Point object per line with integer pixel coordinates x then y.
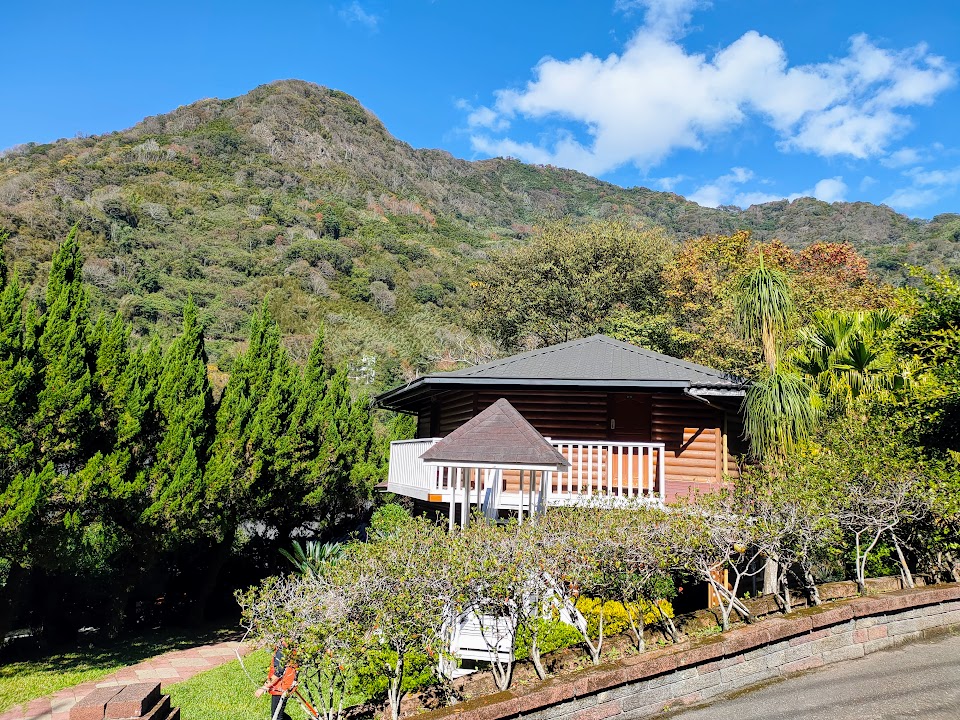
{"type": "Point", "coordinates": [771, 572]}
{"type": "Point", "coordinates": [785, 589]}
{"type": "Point", "coordinates": [393, 692]}
{"type": "Point", "coordinates": [535, 655]}
{"type": "Point", "coordinates": [813, 592]}
{"type": "Point", "coordinates": [904, 568]}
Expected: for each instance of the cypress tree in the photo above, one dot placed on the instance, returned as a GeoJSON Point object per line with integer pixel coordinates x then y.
{"type": "Point", "coordinates": [16, 375]}
{"type": "Point", "coordinates": [184, 410]}
{"type": "Point", "coordinates": [245, 476]}
{"type": "Point", "coordinates": [307, 451]}
{"type": "Point", "coordinates": [66, 417]}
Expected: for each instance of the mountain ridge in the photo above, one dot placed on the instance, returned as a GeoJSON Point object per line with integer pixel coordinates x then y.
{"type": "Point", "coordinates": [296, 193]}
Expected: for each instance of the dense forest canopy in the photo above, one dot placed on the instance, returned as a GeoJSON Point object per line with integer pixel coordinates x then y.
{"type": "Point", "coordinates": [296, 196]}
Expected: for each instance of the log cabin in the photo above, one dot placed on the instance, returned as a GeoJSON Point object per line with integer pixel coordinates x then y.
{"type": "Point", "coordinates": [626, 423]}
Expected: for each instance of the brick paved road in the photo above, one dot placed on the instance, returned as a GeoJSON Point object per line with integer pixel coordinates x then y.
{"type": "Point", "coordinates": [919, 680]}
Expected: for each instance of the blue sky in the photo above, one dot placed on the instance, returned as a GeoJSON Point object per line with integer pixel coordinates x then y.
{"type": "Point", "coordinates": [725, 102]}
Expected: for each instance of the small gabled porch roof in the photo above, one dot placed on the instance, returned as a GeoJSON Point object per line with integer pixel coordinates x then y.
{"type": "Point", "coordinates": [589, 363]}
{"type": "Point", "coordinates": [499, 437]}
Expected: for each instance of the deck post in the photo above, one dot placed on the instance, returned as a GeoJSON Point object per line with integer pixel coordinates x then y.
{"type": "Point", "coordinates": [465, 506]}
{"type": "Point", "coordinates": [451, 474]}
{"type": "Point", "coordinates": [520, 501]}
{"type": "Point", "coordinates": [481, 479]}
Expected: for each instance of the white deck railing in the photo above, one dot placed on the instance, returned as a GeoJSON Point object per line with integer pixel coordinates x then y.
{"type": "Point", "coordinates": [615, 470]}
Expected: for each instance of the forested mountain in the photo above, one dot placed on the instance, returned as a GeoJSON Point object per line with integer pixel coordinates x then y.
{"type": "Point", "coordinates": [296, 194]}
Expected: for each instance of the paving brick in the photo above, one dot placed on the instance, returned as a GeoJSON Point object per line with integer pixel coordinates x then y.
{"type": "Point", "coordinates": [700, 682]}
{"type": "Point", "coordinates": [881, 644]}
{"type": "Point", "coordinates": [656, 696]}
{"type": "Point", "coordinates": [670, 678]}
{"type": "Point", "coordinates": [160, 710]}
{"type": "Point", "coordinates": [901, 627]}
{"type": "Point", "coordinates": [834, 642]}
{"type": "Point", "coordinates": [133, 700]}
{"type": "Point", "coordinates": [842, 628]}
{"type": "Point", "coordinates": [809, 637]}
{"type": "Point", "coordinates": [92, 707]}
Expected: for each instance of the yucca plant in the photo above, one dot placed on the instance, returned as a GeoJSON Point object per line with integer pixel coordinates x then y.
{"type": "Point", "coordinates": [780, 408]}
{"type": "Point", "coordinates": [312, 558]}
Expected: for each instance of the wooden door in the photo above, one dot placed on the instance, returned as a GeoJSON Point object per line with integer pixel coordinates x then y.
{"type": "Point", "coordinates": [629, 417]}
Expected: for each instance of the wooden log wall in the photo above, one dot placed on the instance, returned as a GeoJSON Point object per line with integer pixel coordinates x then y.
{"type": "Point", "coordinates": [454, 409]}
{"type": "Point", "coordinates": [693, 435]}
{"type": "Point", "coordinates": [692, 431]}
{"type": "Point", "coordinates": [556, 415]}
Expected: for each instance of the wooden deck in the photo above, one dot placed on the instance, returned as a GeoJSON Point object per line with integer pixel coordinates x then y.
{"type": "Point", "coordinates": [613, 470]}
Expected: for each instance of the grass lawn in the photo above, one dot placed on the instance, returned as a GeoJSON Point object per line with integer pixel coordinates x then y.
{"type": "Point", "coordinates": [22, 680]}
{"type": "Point", "coordinates": [227, 692]}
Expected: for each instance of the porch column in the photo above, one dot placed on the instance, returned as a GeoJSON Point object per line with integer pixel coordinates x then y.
{"type": "Point", "coordinates": [520, 501]}
{"type": "Point", "coordinates": [465, 507]}
{"type": "Point", "coordinates": [451, 475]}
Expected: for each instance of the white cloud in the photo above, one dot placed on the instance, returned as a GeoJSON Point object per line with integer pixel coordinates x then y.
{"type": "Point", "coordinates": [721, 191]}
{"type": "Point", "coordinates": [926, 187]}
{"type": "Point", "coordinates": [482, 117]}
{"type": "Point", "coordinates": [725, 190]}
{"type": "Point", "coordinates": [664, 17]}
{"type": "Point", "coordinates": [935, 178]}
{"type": "Point", "coordinates": [669, 183]}
{"type": "Point", "coordinates": [829, 190]}
{"type": "Point", "coordinates": [903, 157]}
{"type": "Point", "coordinates": [655, 97]}
{"type": "Point", "coordinates": [355, 13]}
{"type": "Point", "coordinates": [911, 198]}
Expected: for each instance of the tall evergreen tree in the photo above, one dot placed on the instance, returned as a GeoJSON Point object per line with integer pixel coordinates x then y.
{"type": "Point", "coordinates": [66, 417]}
{"type": "Point", "coordinates": [252, 421]}
{"type": "Point", "coordinates": [184, 412]}
{"type": "Point", "coordinates": [16, 375]}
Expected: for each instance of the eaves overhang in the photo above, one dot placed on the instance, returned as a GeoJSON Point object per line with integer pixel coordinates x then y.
{"type": "Point", "coordinates": [401, 399]}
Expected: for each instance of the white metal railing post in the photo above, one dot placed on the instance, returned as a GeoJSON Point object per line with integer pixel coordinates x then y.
{"type": "Point", "coordinates": [662, 477]}
{"type": "Point", "coordinates": [598, 466]}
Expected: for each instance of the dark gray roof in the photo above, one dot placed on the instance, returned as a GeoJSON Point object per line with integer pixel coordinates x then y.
{"type": "Point", "coordinates": [498, 436]}
{"type": "Point", "coordinates": [596, 361]}
{"type": "Point", "coordinates": [598, 357]}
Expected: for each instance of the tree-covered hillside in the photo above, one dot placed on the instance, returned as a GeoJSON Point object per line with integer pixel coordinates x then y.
{"type": "Point", "coordinates": [296, 195]}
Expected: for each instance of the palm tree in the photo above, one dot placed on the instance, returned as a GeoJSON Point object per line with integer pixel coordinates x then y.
{"type": "Point", "coordinates": [843, 355]}
{"type": "Point", "coordinates": [780, 408]}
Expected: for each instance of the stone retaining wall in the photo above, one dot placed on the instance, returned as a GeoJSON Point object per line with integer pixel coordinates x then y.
{"type": "Point", "coordinates": [643, 685]}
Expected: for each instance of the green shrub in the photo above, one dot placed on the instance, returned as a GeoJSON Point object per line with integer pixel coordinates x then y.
{"type": "Point", "coordinates": [554, 635]}
{"type": "Point", "coordinates": [385, 520]}
{"type": "Point", "coordinates": [615, 619]}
